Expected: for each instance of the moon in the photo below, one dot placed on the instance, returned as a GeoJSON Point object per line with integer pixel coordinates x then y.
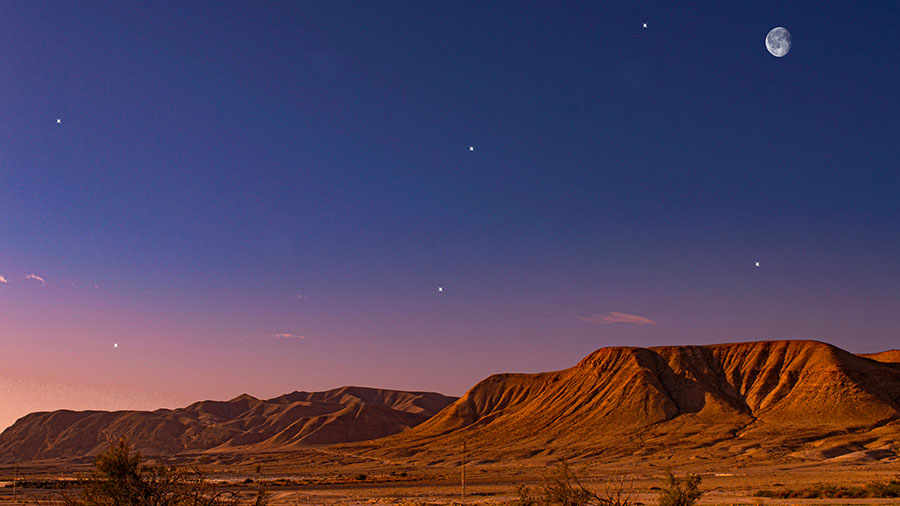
{"type": "Point", "coordinates": [778, 41]}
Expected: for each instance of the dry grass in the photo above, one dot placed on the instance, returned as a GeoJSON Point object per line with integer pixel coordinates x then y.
{"type": "Point", "coordinates": [883, 490]}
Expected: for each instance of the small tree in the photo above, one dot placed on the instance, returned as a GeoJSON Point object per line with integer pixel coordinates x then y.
{"type": "Point", "coordinates": [117, 476]}
{"type": "Point", "coordinates": [119, 479]}
{"type": "Point", "coordinates": [680, 491]}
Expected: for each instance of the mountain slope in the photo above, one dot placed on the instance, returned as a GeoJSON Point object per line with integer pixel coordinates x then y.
{"type": "Point", "coordinates": [292, 420]}
{"type": "Point", "coordinates": [733, 400]}
{"type": "Point", "coordinates": [889, 356]}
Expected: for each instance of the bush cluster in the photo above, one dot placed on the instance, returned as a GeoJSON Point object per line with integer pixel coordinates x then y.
{"type": "Point", "coordinates": [562, 487]}
{"type": "Point", "coordinates": [120, 479]}
{"type": "Point", "coordinates": [890, 489]}
{"type": "Point", "coordinates": [680, 491]}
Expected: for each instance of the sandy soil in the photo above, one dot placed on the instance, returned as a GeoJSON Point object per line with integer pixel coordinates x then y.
{"type": "Point", "coordinates": [325, 477]}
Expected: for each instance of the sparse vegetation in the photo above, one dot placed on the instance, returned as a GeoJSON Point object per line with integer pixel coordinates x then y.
{"type": "Point", "coordinates": [120, 479]}
{"type": "Point", "coordinates": [562, 487]}
{"type": "Point", "coordinates": [889, 489]}
{"type": "Point", "coordinates": [680, 491]}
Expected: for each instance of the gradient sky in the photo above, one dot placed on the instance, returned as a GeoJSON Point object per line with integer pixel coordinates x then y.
{"type": "Point", "coordinates": [227, 175]}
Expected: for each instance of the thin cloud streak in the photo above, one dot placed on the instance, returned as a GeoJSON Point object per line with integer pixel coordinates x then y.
{"type": "Point", "coordinates": [3, 280]}
{"type": "Point", "coordinates": [615, 317]}
{"type": "Point", "coordinates": [36, 278]}
{"type": "Point", "coordinates": [286, 335]}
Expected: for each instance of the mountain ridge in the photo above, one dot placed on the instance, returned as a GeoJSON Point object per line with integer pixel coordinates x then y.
{"type": "Point", "coordinates": [745, 402]}
{"type": "Point", "coordinates": [733, 400]}
{"type": "Point", "coordinates": [297, 419]}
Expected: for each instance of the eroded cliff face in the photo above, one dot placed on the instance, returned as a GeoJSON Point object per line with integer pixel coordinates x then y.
{"type": "Point", "coordinates": [730, 398]}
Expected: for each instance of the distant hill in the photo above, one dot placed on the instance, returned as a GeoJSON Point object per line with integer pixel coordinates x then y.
{"type": "Point", "coordinates": [297, 419]}
{"type": "Point", "coordinates": [747, 401]}
{"type": "Point", "coordinates": [889, 356]}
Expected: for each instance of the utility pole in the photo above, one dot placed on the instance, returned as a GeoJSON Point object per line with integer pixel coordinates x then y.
{"type": "Point", "coordinates": [464, 470]}
{"type": "Point", "coordinates": [15, 482]}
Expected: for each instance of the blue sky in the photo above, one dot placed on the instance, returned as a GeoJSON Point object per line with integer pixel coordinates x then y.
{"type": "Point", "coordinates": [215, 160]}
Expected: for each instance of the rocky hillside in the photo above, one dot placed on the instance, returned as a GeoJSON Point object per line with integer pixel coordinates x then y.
{"type": "Point", "coordinates": [292, 420]}
{"type": "Point", "coordinates": [758, 400]}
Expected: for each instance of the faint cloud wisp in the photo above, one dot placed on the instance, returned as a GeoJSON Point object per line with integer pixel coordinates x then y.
{"type": "Point", "coordinates": [3, 280]}
{"type": "Point", "coordinates": [276, 336]}
{"type": "Point", "coordinates": [286, 335]}
{"type": "Point", "coordinates": [36, 278]}
{"type": "Point", "coordinates": [615, 317]}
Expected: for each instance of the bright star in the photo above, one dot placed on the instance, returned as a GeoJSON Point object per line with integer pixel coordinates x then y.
{"type": "Point", "coordinates": [58, 121]}
{"type": "Point", "coordinates": [115, 345]}
{"type": "Point", "coordinates": [757, 264]}
{"type": "Point", "coordinates": [471, 148]}
{"type": "Point", "coordinates": [645, 25]}
{"type": "Point", "coordinates": [440, 288]}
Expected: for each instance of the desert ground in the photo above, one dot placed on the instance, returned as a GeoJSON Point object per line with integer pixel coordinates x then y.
{"type": "Point", "coordinates": [328, 477]}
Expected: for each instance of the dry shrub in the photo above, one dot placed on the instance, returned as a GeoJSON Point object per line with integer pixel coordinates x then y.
{"type": "Point", "coordinates": [874, 490]}
{"type": "Point", "coordinates": [120, 479]}
{"type": "Point", "coordinates": [680, 491]}
{"type": "Point", "coordinates": [562, 487]}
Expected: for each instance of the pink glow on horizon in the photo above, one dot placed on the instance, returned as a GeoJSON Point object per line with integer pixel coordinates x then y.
{"type": "Point", "coordinates": [21, 397]}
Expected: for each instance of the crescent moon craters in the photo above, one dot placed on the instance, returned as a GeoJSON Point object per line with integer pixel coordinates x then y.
{"type": "Point", "coordinates": [778, 41]}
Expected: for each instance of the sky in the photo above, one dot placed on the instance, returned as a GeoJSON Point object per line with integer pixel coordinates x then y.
{"type": "Point", "coordinates": [201, 199]}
